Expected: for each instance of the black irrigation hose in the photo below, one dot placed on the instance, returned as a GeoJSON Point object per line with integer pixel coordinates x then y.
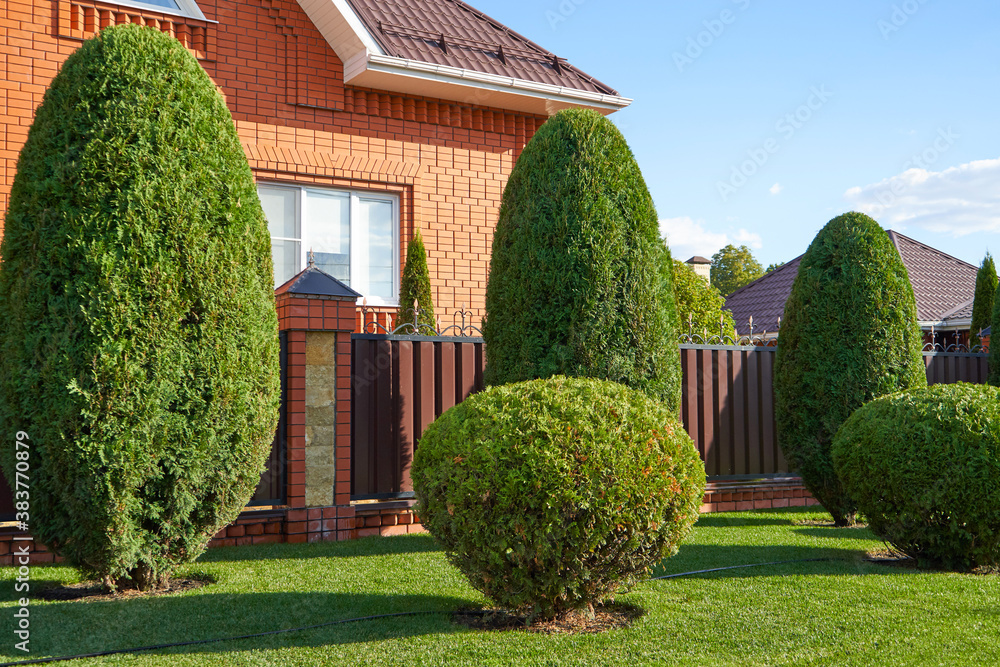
{"type": "Point", "coordinates": [41, 661]}
{"type": "Point", "coordinates": [736, 567]}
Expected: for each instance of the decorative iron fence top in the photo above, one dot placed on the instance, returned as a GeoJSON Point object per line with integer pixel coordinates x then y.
{"type": "Point", "coordinates": [463, 328]}
{"type": "Point", "coordinates": [770, 339]}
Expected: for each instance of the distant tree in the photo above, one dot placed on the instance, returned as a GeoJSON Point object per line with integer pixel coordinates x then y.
{"type": "Point", "coordinates": [982, 305]}
{"type": "Point", "coordinates": [733, 267]}
{"type": "Point", "coordinates": [416, 287]}
{"type": "Point", "coordinates": [773, 267]}
{"type": "Point", "coordinates": [699, 305]}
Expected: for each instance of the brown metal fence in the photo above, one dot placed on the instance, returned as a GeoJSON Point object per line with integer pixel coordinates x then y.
{"type": "Point", "coordinates": [400, 384]}
{"type": "Point", "coordinates": [951, 367]}
{"type": "Point", "coordinates": [727, 406]}
{"type": "Point", "coordinates": [271, 488]}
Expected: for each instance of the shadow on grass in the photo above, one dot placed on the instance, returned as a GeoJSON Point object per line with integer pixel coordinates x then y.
{"type": "Point", "coordinates": [71, 628]}
{"type": "Point", "coordinates": [367, 546]}
{"type": "Point", "coordinates": [855, 533]}
{"type": "Point", "coordinates": [696, 557]}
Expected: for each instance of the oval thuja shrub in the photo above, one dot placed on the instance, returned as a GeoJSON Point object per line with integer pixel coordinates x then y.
{"type": "Point", "coordinates": [550, 495]}
{"type": "Point", "coordinates": [580, 281]}
{"type": "Point", "coordinates": [849, 335]}
{"type": "Point", "coordinates": [924, 468]}
{"type": "Point", "coordinates": [139, 351]}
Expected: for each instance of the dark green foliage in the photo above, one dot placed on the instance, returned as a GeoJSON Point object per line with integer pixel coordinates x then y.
{"type": "Point", "coordinates": [733, 268]}
{"type": "Point", "coordinates": [416, 287]}
{"type": "Point", "coordinates": [580, 281]}
{"type": "Point", "coordinates": [554, 494]}
{"type": "Point", "coordinates": [139, 347]}
{"type": "Point", "coordinates": [982, 304]}
{"type": "Point", "coordinates": [699, 305]}
{"type": "Point", "coordinates": [994, 364]}
{"type": "Point", "coordinates": [924, 468]}
{"type": "Point", "coordinates": [773, 267]}
{"type": "Point", "coordinates": [849, 335]}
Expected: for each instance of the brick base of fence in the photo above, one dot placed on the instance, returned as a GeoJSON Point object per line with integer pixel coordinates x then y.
{"type": "Point", "coordinates": [320, 524]}
{"type": "Point", "coordinates": [745, 495]}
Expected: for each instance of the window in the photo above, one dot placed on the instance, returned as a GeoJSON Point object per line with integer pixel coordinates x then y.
{"type": "Point", "coordinates": [187, 8]}
{"type": "Point", "coordinates": [353, 236]}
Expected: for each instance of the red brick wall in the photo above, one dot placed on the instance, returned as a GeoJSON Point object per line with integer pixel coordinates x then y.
{"type": "Point", "coordinates": [299, 123]}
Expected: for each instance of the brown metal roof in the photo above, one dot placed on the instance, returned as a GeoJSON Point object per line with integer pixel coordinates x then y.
{"type": "Point", "coordinates": [940, 282]}
{"type": "Point", "coordinates": [943, 287]}
{"type": "Point", "coordinates": [763, 299]}
{"type": "Point", "coordinates": [451, 33]}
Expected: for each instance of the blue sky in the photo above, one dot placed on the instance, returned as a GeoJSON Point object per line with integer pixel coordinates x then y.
{"type": "Point", "coordinates": [757, 122]}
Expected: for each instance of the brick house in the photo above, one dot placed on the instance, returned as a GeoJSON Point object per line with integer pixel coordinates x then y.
{"type": "Point", "coordinates": [362, 121]}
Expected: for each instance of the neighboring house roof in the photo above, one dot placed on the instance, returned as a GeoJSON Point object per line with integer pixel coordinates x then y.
{"type": "Point", "coordinates": [763, 299]}
{"type": "Point", "coordinates": [697, 259]}
{"type": "Point", "coordinates": [986, 331]}
{"type": "Point", "coordinates": [447, 49]}
{"type": "Point", "coordinates": [943, 287]}
{"type": "Point", "coordinates": [940, 282]}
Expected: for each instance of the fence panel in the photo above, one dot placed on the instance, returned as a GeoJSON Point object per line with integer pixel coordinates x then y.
{"type": "Point", "coordinates": [727, 407]}
{"type": "Point", "coordinates": [399, 385]}
{"type": "Point", "coordinates": [951, 367]}
{"type": "Point", "coordinates": [271, 488]}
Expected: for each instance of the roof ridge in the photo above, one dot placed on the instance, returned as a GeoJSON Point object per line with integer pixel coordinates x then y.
{"type": "Point", "coordinates": [893, 233]}
{"type": "Point", "coordinates": [958, 308]}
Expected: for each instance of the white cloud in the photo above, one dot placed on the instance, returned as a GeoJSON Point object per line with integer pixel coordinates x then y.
{"type": "Point", "coordinates": [688, 237]}
{"type": "Point", "coordinates": [958, 201]}
{"type": "Point", "coordinates": [776, 189]}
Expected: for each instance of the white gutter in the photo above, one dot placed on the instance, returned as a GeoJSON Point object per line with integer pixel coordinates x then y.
{"type": "Point", "coordinates": [503, 84]}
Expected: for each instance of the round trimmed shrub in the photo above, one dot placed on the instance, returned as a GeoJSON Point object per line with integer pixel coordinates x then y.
{"type": "Point", "coordinates": [139, 351]}
{"type": "Point", "coordinates": [550, 495]}
{"type": "Point", "coordinates": [924, 468]}
{"type": "Point", "coordinates": [580, 281]}
{"type": "Point", "coordinates": [849, 335]}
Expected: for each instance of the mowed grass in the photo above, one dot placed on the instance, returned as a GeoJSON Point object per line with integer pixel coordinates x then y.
{"type": "Point", "coordinates": [845, 612]}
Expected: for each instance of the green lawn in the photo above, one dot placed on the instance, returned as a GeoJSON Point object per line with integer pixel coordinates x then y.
{"type": "Point", "coordinates": [843, 613]}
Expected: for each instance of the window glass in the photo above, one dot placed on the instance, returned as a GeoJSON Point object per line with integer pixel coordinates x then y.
{"type": "Point", "coordinates": [329, 235]}
{"type": "Point", "coordinates": [279, 208]}
{"type": "Point", "coordinates": [352, 236]}
{"type": "Point", "coordinates": [376, 215]}
{"type": "Point", "coordinates": [169, 4]}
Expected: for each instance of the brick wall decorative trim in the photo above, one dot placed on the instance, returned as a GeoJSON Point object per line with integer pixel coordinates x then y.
{"type": "Point", "coordinates": [439, 112]}
{"type": "Point", "coordinates": [82, 19]}
{"type": "Point", "coordinates": [309, 163]}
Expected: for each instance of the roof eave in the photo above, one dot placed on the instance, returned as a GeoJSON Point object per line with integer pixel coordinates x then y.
{"type": "Point", "coordinates": [370, 70]}
{"type": "Point", "coordinates": [946, 325]}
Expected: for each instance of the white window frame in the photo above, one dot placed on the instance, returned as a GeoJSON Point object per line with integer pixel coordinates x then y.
{"type": "Point", "coordinates": [188, 8]}
{"type": "Point", "coordinates": [305, 233]}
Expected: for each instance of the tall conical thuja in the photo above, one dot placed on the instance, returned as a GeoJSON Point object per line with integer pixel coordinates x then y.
{"type": "Point", "coordinates": [982, 302]}
{"type": "Point", "coordinates": [139, 351]}
{"type": "Point", "coordinates": [849, 335]}
{"type": "Point", "coordinates": [415, 289]}
{"type": "Point", "coordinates": [580, 281]}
